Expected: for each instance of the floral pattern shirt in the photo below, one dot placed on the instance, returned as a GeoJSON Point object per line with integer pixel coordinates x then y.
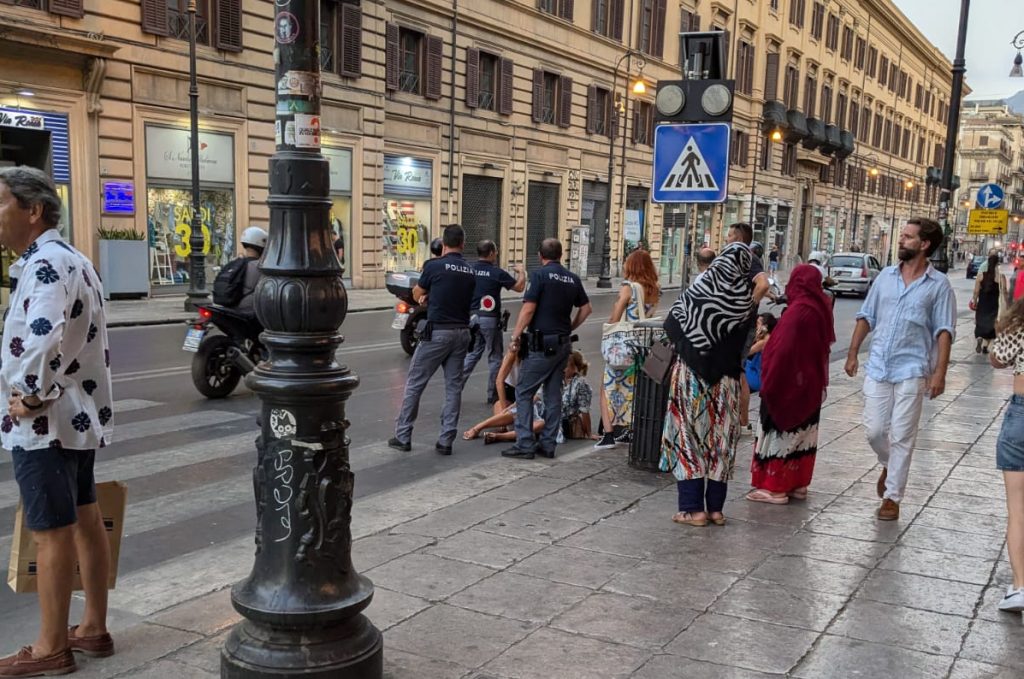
{"type": "Point", "coordinates": [55, 347]}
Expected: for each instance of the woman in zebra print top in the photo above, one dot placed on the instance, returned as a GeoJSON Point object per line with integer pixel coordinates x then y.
{"type": "Point", "coordinates": [708, 324]}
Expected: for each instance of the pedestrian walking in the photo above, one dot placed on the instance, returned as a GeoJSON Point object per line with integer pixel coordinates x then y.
{"type": "Point", "coordinates": [989, 289]}
{"type": "Point", "coordinates": [794, 375]}
{"type": "Point", "coordinates": [546, 321]}
{"type": "Point", "coordinates": [911, 312]}
{"type": "Point", "coordinates": [447, 284]}
{"type": "Point", "coordinates": [486, 312]}
{"type": "Point", "coordinates": [55, 380]}
{"type": "Point", "coordinates": [1008, 350]}
{"type": "Point", "coordinates": [708, 325]}
{"type": "Point", "coordinates": [640, 289]}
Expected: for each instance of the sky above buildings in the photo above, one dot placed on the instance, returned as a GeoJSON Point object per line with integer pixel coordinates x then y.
{"type": "Point", "coordinates": [992, 24]}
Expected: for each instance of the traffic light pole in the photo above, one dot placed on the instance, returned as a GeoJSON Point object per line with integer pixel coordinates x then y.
{"type": "Point", "coordinates": [302, 604]}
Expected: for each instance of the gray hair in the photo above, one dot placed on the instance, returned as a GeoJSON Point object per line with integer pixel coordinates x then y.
{"type": "Point", "coordinates": [31, 186]}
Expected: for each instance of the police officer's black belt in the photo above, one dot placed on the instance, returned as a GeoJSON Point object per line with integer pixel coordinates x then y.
{"type": "Point", "coordinates": [488, 314]}
{"type": "Point", "coordinates": [450, 326]}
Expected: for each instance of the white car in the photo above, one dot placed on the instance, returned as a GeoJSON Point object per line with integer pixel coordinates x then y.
{"type": "Point", "coordinates": [854, 272]}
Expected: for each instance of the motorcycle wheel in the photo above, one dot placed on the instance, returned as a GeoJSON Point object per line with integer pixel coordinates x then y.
{"type": "Point", "coordinates": [213, 373]}
{"type": "Point", "coordinates": [408, 336]}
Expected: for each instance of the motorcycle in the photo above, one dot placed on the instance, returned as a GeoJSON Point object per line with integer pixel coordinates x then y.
{"type": "Point", "coordinates": [409, 314]}
{"type": "Point", "coordinates": [221, 359]}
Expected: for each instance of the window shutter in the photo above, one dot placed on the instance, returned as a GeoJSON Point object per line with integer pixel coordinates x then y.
{"type": "Point", "coordinates": [472, 77]}
{"type": "Point", "coordinates": [68, 8]}
{"type": "Point", "coordinates": [154, 17]}
{"type": "Point", "coordinates": [350, 41]}
{"type": "Point", "coordinates": [658, 27]}
{"type": "Point", "coordinates": [506, 85]}
{"type": "Point", "coordinates": [749, 76]}
{"type": "Point", "coordinates": [435, 54]}
{"type": "Point", "coordinates": [391, 57]}
{"type": "Point", "coordinates": [594, 25]}
{"type": "Point", "coordinates": [771, 77]}
{"type": "Point", "coordinates": [229, 25]}
{"type": "Point", "coordinates": [695, 22]}
{"type": "Point", "coordinates": [635, 136]}
{"type": "Point", "coordinates": [565, 9]}
{"type": "Point", "coordinates": [565, 107]}
{"type": "Point", "coordinates": [538, 95]}
{"type": "Point", "coordinates": [616, 18]}
{"type": "Point", "coordinates": [591, 108]}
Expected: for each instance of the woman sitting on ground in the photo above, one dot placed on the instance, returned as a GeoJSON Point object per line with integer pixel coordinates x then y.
{"type": "Point", "coordinates": [576, 398]}
{"type": "Point", "coordinates": [505, 407]}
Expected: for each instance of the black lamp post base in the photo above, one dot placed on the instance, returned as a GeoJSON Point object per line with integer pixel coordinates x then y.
{"type": "Point", "coordinates": [196, 299]}
{"type": "Point", "coordinates": [352, 650]}
{"type": "Point", "coordinates": [604, 282]}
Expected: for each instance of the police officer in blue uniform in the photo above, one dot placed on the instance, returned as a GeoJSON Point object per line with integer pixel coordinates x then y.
{"type": "Point", "coordinates": [550, 297]}
{"type": "Point", "coordinates": [447, 284]}
{"type": "Point", "coordinates": [486, 310]}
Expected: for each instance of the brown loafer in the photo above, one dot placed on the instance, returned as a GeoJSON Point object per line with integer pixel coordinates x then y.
{"type": "Point", "coordinates": [22, 664]}
{"type": "Point", "coordinates": [96, 646]}
{"type": "Point", "coordinates": [880, 486]}
{"type": "Point", "coordinates": [889, 511]}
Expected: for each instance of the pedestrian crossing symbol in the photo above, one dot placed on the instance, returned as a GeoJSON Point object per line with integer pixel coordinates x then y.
{"type": "Point", "coordinates": [691, 163]}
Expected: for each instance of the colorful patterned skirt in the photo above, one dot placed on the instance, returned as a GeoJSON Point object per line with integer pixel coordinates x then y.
{"type": "Point", "coordinates": [619, 387]}
{"type": "Point", "coordinates": [702, 426]}
{"type": "Point", "coordinates": [784, 460]}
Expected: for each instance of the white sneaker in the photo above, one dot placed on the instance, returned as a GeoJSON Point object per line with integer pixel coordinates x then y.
{"type": "Point", "coordinates": [1013, 602]}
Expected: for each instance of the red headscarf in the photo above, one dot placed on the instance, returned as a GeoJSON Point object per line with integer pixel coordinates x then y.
{"type": "Point", "coordinates": [794, 368]}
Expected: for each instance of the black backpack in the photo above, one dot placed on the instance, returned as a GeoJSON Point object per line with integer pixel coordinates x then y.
{"type": "Point", "coordinates": [229, 285]}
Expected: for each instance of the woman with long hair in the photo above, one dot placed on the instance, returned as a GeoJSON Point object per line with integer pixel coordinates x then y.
{"type": "Point", "coordinates": [985, 302]}
{"type": "Point", "coordinates": [794, 375]}
{"type": "Point", "coordinates": [708, 325]}
{"type": "Point", "coordinates": [576, 397]}
{"type": "Point", "coordinates": [639, 287]}
{"type": "Point", "coordinates": [1008, 350]}
{"type": "Point", "coordinates": [505, 407]}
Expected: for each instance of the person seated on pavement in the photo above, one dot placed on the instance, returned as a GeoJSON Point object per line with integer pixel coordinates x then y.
{"type": "Point", "coordinates": [505, 407]}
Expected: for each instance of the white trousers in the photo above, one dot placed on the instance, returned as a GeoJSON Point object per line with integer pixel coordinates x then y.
{"type": "Point", "coordinates": [892, 412]}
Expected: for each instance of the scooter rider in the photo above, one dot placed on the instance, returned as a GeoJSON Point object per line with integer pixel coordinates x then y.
{"type": "Point", "coordinates": [552, 294]}
{"type": "Point", "coordinates": [254, 240]}
{"type": "Point", "coordinates": [446, 285]}
{"type": "Point", "coordinates": [486, 309]}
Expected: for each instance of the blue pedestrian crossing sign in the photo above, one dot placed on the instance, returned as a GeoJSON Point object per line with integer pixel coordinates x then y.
{"type": "Point", "coordinates": [691, 163]}
{"type": "Point", "coordinates": [990, 197]}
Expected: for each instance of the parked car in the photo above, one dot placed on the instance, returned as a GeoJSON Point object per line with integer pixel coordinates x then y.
{"type": "Point", "coordinates": [974, 264]}
{"type": "Point", "coordinates": [854, 272]}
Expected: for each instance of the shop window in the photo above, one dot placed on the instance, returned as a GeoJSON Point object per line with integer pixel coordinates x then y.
{"type": "Point", "coordinates": [643, 123]}
{"type": "Point", "coordinates": [218, 22]}
{"type": "Point", "coordinates": [651, 27]}
{"type": "Point", "coordinates": [169, 226]}
{"type": "Point", "coordinates": [599, 111]}
{"type": "Point", "coordinates": [607, 17]}
{"type": "Point", "coordinates": [341, 38]}
{"type": "Point", "coordinates": [552, 98]}
{"type": "Point", "coordinates": [413, 61]}
{"type": "Point", "coordinates": [488, 81]}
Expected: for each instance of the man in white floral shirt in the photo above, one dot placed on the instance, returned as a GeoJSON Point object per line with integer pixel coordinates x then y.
{"type": "Point", "coordinates": [55, 381]}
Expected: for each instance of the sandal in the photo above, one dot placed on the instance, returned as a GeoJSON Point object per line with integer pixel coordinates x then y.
{"type": "Point", "coordinates": [761, 495]}
{"type": "Point", "coordinates": [686, 519]}
{"type": "Point", "coordinates": [717, 520]}
{"type": "Point", "coordinates": [471, 434]}
{"type": "Point", "coordinates": [798, 493]}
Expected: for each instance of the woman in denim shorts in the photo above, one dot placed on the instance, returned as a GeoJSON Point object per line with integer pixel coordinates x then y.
{"type": "Point", "coordinates": [1008, 350]}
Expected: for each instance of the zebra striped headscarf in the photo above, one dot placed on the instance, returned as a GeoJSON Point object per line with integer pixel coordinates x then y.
{"type": "Point", "coordinates": [717, 303]}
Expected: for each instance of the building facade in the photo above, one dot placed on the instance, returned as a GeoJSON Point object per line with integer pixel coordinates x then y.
{"type": "Point", "coordinates": [498, 114]}
{"type": "Point", "coordinates": [991, 147]}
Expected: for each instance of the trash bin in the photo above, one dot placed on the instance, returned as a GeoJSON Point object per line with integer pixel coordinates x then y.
{"type": "Point", "coordinates": [650, 400]}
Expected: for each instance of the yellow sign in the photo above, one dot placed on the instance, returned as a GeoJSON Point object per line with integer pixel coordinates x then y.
{"type": "Point", "coordinates": [183, 217]}
{"type": "Point", "coordinates": [987, 222]}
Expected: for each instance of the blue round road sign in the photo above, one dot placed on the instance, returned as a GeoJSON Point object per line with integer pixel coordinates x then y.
{"type": "Point", "coordinates": [990, 197]}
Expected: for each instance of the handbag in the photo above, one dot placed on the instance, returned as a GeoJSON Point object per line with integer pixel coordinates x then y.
{"type": "Point", "coordinates": [659, 362]}
{"type": "Point", "coordinates": [752, 368]}
{"type": "Point", "coordinates": [576, 427]}
{"type": "Point", "coordinates": [616, 338]}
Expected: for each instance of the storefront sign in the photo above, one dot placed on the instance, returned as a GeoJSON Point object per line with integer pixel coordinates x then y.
{"type": "Point", "coordinates": [340, 161]}
{"type": "Point", "coordinates": [24, 119]}
{"type": "Point", "coordinates": [168, 155]}
{"type": "Point", "coordinates": [118, 198]}
{"type": "Point", "coordinates": [307, 131]}
{"type": "Point", "coordinates": [408, 176]}
{"type": "Point", "coordinates": [633, 229]}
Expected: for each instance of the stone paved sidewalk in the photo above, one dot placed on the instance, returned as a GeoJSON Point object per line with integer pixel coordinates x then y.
{"type": "Point", "coordinates": [573, 569]}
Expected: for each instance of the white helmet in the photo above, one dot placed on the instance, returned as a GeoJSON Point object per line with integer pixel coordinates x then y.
{"type": "Point", "coordinates": [255, 237]}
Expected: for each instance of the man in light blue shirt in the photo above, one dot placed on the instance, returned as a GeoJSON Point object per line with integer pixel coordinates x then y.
{"type": "Point", "coordinates": [911, 309]}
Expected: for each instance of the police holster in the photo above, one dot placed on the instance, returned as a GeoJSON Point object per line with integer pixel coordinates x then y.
{"type": "Point", "coordinates": [548, 344]}
{"type": "Point", "coordinates": [504, 320]}
{"type": "Point", "coordinates": [428, 331]}
{"type": "Point", "coordinates": [474, 336]}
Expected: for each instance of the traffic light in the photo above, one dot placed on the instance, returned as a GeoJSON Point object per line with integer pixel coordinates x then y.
{"type": "Point", "coordinates": [705, 96]}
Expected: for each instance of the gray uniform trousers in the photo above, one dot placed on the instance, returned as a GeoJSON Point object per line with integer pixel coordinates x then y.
{"type": "Point", "coordinates": [490, 333]}
{"type": "Point", "coordinates": [446, 348]}
{"type": "Point", "coordinates": [535, 372]}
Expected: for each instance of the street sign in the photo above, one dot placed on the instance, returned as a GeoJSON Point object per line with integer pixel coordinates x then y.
{"type": "Point", "coordinates": [691, 163]}
{"type": "Point", "coordinates": [987, 222]}
{"type": "Point", "coordinates": [990, 197]}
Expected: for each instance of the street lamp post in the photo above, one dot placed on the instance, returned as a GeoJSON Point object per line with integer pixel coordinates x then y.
{"type": "Point", "coordinates": [302, 603]}
{"type": "Point", "coordinates": [197, 293]}
{"type": "Point", "coordinates": [605, 279]}
{"type": "Point", "coordinates": [775, 135]}
{"type": "Point", "coordinates": [908, 185]}
{"type": "Point", "coordinates": [1017, 71]}
{"type": "Point", "coordinates": [940, 258]}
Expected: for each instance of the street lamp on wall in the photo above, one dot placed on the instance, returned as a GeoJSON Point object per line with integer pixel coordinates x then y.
{"type": "Point", "coordinates": [1018, 61]}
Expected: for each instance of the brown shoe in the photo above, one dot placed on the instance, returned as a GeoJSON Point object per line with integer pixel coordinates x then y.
{"type": "Point", "coordinates": [889, 511]}
{"type": "Point", "coordinates": [22, 664]}
{"type": "Point", "coordinates": [880, 486]}
{"type": "Point", "coordinates": [96, 646]}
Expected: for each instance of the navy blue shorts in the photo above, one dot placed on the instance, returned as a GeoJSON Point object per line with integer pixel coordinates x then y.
{"type": "Point", "coordinates": [1010, 444]}
{"type": "Point", "coordinates": [54, 483]}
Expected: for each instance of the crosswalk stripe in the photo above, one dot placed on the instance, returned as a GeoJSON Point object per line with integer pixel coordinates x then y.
{"type": "Point", "coordinates": [127, 405]}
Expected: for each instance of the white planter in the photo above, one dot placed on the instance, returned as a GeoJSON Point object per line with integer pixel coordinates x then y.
{"type": "Point", "coordinates": [124, 268]}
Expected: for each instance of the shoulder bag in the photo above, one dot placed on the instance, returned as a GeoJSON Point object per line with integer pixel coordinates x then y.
{"type": "Point", "coordinates": [616, 337]}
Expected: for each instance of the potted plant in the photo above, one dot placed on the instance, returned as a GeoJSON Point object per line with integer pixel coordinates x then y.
{"type": "Point", "coordinates": [124, 261]}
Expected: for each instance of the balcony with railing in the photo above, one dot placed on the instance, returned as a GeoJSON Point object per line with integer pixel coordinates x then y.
{"type": "Point", "coordinates": [979, 176]}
